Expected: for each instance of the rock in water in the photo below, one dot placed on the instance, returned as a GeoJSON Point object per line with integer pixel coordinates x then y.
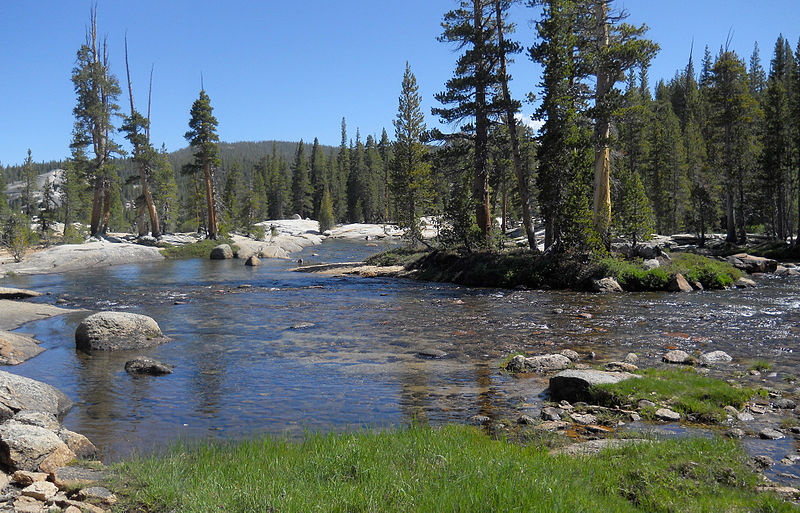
{"type": "Point", "coordinates": [577, 385]}
{"type": "Point", "coordinates": [679, 284]}
{"type": "Point", "coordinates": [753, 264]}
{"type": "Point", "coordinates": [16, 348]}
{"type": "Point", "coordinates": [18, 393]}
{"type": "Point", "coordinates": [142, 365]}
{"type": "Point", "coordinates": [252, 261]}
{"type": "Point", "coordinates": [745, 283]}
{"type": "Point", "coordinates": [112, 331]}
{"type": "Point", "coordinates": [221, 252]}
{"type": "Point", "coordinates": [542, 363]}
{"type": "Point", "coordinates": [677, 356]}
{"type": "Point", "coordinates": [715, 357]}
{"type": "Point", "coordinates": [606, 285]}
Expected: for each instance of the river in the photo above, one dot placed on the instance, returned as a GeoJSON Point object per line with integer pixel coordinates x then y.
{"type": "Point", "coordinates": [245, 365]}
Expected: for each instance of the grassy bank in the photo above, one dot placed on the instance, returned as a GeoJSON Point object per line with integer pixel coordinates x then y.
{"type": "Point", "coordinates": [515, 268]}
{"type": "Point", "coordinates": [682, 390]}
{"type": "Point", "coordinates": [456, 468]}
{"type": "Point", "coordinates": [200, 249]}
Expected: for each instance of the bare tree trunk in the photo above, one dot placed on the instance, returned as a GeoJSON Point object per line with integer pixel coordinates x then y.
{"type": "Point", "coordinates": [148, 199]}
{"type": "Point", "coordinates": [511, 124]}
{"type": "Point", "coordinates": [480, 189]}
{"type": "Point", "coordinates": [730, 224]}
{"type": "Point", "coordinates": [602, 155]}
{"type": "Point", "coordinates": [106, 204]}
{"type": "Point", "coordinates": [97, 206]}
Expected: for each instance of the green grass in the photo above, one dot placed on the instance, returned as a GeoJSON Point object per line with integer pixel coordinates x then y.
{"type": "Point", "coordinates": [682, 390]}
{"type": "Point", "coordinates": [457, 468]}
{"type": "Point", "coordinates": [200, 249]}
{"type": "Point", "coordinates": [760, 365]}
{"type": "Point", "coordinates": [712, 274]}
{"type": "Point", "coordinates": [404, 256]}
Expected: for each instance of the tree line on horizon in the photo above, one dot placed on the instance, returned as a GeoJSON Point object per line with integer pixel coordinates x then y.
{"type": "Point", "coordinates": [710, 149]}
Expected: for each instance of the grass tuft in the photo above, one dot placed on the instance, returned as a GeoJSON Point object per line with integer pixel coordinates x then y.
{"type": "Point", "coordinates": [683, 390]}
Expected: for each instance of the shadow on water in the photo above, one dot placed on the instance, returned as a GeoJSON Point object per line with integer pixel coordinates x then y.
{"type": "Point", "coordinates": [243, 364]}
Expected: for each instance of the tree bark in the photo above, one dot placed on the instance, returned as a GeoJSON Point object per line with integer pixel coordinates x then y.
{"type": "Point", "coordinates": [212, 221]}
{"type": "Point", "coordinates": [511, 124]}
{"type": "Point", "coordinates": [602, 155]}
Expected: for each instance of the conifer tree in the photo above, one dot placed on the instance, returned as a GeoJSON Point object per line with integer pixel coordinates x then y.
{"type": "Point", "coordinates": [48, 207]}
{"type": "Point", "coordinates": [326, 212]}
{"type": "Point", "coordinates": [385, 149]}
{"type": "Point", "coordinates": [97, 91]}
{"type": "Point", "coordinates": [203, 138]}
{"type": "Point", "coordinates": [410, 169]}
{"type": "Point", "coordinates": [302, 193]}
{"type": "Point", "coordinates": [165, 191]}
{"type": "Point", "coordinates": [231, 195]}
{"type": "Point", "coordinates": [471, 93]}
{"type": "Point", "coordinates": [339, 180]}
{"type": "Point", "coordinates": [3, 197]}
{"type": "Point", "coordinates": [31, 185]}
{"type": "Point", "coordinates": [319, 182]}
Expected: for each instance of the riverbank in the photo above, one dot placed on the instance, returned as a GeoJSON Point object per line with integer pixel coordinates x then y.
{"type": "Point", "coordinates": [455, 468]}
{"type": "Point", "coordinates": [283, 238]}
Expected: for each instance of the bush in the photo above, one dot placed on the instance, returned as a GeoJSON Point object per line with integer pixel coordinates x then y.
{"type": "Point", "coordinates": [72, 235]}
{"type": "Point", "coordinates": [17, 235]}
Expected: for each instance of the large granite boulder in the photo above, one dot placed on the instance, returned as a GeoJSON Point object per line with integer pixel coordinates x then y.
{"type": "Point", "coordinates": [579, 384]}
{"type": "Point", "coordinates": [32, 448]}
{"type": "Point", "coordinates": [16, 348]}
{"type": "Point", "coordinates": [679, 284]}
{"type": "Point", "coordinates": [111, 331]}
{"type": "Point", "coordinates": [18, 393]}
{"type": "Point", "coordinates": [222, 252]}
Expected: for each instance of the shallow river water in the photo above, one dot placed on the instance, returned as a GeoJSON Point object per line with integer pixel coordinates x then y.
{"type": "Point", "coordinates": [244, 365]}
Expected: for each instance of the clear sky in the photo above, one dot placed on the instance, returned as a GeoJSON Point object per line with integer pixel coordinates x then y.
{"type": "Point", "coordinates": [292, 70]}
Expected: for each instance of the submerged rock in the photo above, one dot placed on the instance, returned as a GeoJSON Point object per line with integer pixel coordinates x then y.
{"type": "Point", "coordinates": [221, 252]}
{"type": "Point", "coordinates": [771, 434]}
{"type": "Point", "coordinates": [112, 331]}
{"type": "Point", "coordinates": [142, 365]}
{"type": "Point", "coordinates": [578, 385]}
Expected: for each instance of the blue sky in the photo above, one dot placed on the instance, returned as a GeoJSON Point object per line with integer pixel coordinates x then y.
{"type": "Point", "coordinates": [291, 70]}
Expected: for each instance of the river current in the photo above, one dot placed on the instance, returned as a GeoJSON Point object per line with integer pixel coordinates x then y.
{"type": "Point", "coordinates": [265, 350]}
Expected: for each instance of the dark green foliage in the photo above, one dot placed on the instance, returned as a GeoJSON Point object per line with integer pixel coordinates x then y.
{"type": "Point", "coordinates": [410, 168]}
{"type": "Point", "coordinates": [712, 274]}
{"type": "Point", "coordinates": [199, 249]}
{"type": "Point", "coordinates": [203, 138]}
{"type": "Point", "coordinates": [16, 235]}
{"type": "Point", "coordinates": [302, 192]}
{"type": "Point", "coordinates": [325, 217]}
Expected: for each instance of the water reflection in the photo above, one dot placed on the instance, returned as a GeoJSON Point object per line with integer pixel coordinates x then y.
{"type": "Point", "coordinates": [241, 368]}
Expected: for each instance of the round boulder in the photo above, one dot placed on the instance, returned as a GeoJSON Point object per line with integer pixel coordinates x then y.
{"type": "Point", "coordinates": [253, 261]}
{"type": "Point", "coordinates": [222, 252]}
{"type": "Point", "coordinates": [112, 331]}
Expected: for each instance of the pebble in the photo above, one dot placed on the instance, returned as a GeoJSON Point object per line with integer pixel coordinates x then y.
{"type": "Point", "coordinates": [745, 417]}
{"type": "Point", "coordinates": [763, 461]}
{"type": "Point", "coordinates": [526, 420]}
{"type": "Point", "coordinates": [756, 408]}
{"type": "Point", "coordinates": [550, 413]}
{"type": "Point", "coordinates": [432, 353]}
{"type": "Point", "coordinates": [584, 419]}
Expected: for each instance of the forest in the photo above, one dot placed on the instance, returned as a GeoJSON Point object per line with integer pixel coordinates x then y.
{"type": "Point", "coordinates": [620, 155]}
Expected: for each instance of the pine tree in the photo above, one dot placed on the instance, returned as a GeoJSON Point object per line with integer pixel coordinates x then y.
{"type": "Point", "coordinates": [231, 195]}
{"type": "Point", "coordinates": [385, 149]}
{"type": "Point", "coordinates": [471, 93]}
{"type": "Point", "coordinates": [48, 208]}
{"type": "Point", "coordinates": [565, 152]}
{"type": "Point", "coordinates": [756, 77]}
{"type": "Point", "coordinates": [339, 180]}
{"type": "Point", "coordinates": [326, 212]}
{"type": "Point", "coordinates": [203, 138]}
{"type": "Point", "coordinates": [29, 175]}
{"type": "Point", "coordinates": [319, 181]}
{"type": "Point", "coordinates": [410, 169]}
{"type": "Point", "coordinates": [3, 197]}
{"type": "Point", "coordinates": [165, 191]}
{"type": "Point", "coordinates": [97, 91]}
{"type": "Point", "coordinates": [733, 111]}
{"type": "Point", "coordinates": [302, 193]}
